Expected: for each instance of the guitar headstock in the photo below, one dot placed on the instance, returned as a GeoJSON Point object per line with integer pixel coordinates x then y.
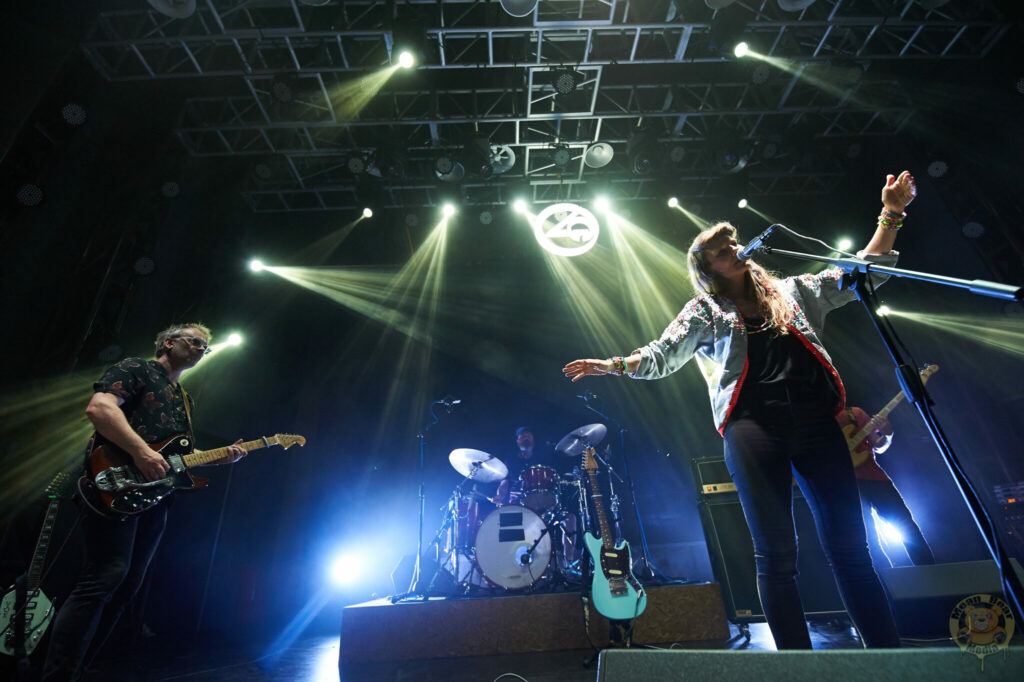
{"type": "Point", "coordinates": [927, 372]}
{"type": "Point", "coordinates": [286, 440]}
{"type": "Point", "coordinates": [589, 463]}
{"type": "Point", "coordinates": [59, 487]}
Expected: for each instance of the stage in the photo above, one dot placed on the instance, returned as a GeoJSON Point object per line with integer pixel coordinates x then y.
{"type": "Point", "coordinates": [315, 658]}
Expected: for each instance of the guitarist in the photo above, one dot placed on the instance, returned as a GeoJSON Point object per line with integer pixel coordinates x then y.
{"type": "Point", "coordinates": [137, 402]}
{"type": "Point", "coordinates": [879, 492]}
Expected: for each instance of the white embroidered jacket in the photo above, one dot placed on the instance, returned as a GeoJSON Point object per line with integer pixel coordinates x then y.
{"type": "Point", "coordinates": [712, 329]}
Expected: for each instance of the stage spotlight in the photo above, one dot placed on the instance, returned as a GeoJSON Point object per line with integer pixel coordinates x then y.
{"type": "Point", "coordinates": [673, 202]}
{"type": "Point", "coordinates": [519, 206]}
{"type": "Point", "coordinates": [256, 265]}
{"type": "Point", "coordinates": [845, 244]}
{"type": "Point", "coordinates": [886, 530]}
{"type": "Point", "coordinates": [742, 203]}
{"type": "Point", "coordinates": [345, 569]}
{"type": "Point", "coordinates": [741, 50]}
{"type": "Point", "coordinates": [405, 59]}
{"type": "Point", "coordinates": [234, 339]}
{"type": "Point", "coordinates": [566, 80]}
{"type": "Point", "coordinates": [367, 212]}
{"type": "Point", "coordinates": [884, 310]}
{"type": "Point", "coordinates": [448, 210]}
{"type": "Point", "coordinates": [601, 204]}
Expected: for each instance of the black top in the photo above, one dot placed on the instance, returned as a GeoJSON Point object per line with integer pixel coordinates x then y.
{"type": "Point", "coordinates": [154, 407]}
{"type": "Point", "coordinates": [777, 363]}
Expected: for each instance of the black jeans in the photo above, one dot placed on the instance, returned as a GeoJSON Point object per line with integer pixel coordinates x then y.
{"type": "Point", "coordinates": [768, 441]}
{"type": "Point", "coordinates": [889, 504]}
{"type": "Point", "coordinates": [117, 554]}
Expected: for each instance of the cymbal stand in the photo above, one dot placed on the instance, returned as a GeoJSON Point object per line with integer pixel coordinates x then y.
{"type": "Point", "coordinates": [414, 584]}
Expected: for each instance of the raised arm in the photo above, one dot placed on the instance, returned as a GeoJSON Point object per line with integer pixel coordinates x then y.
{"type": "Point", "coordinates": [897, 193]}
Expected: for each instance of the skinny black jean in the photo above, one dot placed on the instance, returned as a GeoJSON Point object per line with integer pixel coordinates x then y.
{"type": "Point", "coordinates": [117, 555]}
{"type": "Point", "coordinates": [774, 435]}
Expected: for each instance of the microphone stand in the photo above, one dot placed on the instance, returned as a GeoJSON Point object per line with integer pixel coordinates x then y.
{"type": "Point", "coordinates": [650, 570]}
{"type": "Point", "coordinates": [414, 584]}
{"type": "Point", "coordinates": [856, 279]}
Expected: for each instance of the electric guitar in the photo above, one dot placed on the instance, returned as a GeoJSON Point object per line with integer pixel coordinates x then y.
{"type": "Point", "coordinates": [38, 610]}
{"type": "Point", "coordinates": [856, 434]}
{"type": "Point", "coordinates": [115, 487]}
{"type": "Point", "coordinates": [616, 593]}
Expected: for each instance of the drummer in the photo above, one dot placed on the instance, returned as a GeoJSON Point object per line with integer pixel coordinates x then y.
{"type": "Point", "coordinates": [510, 491]}
{"type": "Point", "coordinates": [510, 488]}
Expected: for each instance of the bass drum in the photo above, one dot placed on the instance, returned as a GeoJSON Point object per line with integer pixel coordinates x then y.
{"type": "Point", "coordinates": [513, 547]}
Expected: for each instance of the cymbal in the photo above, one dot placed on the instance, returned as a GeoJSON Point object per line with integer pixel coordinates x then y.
{"type": "Point", "coordinates": [478, 465]}
{"type": "Point", "coordinates": [579, 440]}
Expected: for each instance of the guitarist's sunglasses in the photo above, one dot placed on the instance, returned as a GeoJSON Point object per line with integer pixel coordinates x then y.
{"type": "Point", "coordinates": [196, 342]}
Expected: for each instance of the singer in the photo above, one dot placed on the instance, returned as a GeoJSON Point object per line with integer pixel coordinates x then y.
{"type": "Point", "coordinates": [774, 395]}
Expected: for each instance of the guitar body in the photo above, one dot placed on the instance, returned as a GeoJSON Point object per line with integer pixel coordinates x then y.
{"type": "Point", "coordinates": [123, 490]}
{"type": "Point", "coordinates": [616, 598]}
{"type": "Point", "coordinates": [38, 613]}
{"type": "Point", "coordinates": [114, 487]}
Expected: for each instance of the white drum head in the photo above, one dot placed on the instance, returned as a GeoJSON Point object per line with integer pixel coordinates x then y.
{"type": "Point", "coordinates": [503, 547]}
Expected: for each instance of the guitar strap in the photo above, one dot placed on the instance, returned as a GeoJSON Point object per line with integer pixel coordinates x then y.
{"type": "Point", "coordinates": [188, 414]}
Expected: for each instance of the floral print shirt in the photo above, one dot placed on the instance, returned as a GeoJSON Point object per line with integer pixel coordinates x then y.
{"type": "Point", "coordinates": [154, 406]}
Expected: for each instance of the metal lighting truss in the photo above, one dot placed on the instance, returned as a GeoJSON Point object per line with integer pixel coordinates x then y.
{"type": "Point", "coordinates": [273, 78]}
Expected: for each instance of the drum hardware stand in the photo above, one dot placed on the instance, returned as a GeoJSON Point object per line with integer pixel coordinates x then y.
{"type": "Point", "coordinates": [649, 571]}
{"type": "Point", "coordinates": [414, 584]}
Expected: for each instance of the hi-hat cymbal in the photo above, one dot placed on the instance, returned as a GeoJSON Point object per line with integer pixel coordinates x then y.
{"type": "Point", "coordinates": [579, 440]}
{"type": "Point", "coordinates": [478, 465]}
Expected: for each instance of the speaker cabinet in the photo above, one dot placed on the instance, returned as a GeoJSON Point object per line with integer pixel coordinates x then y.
{"type": "Point", "coordinates": [923, 597]}
{"type": "Point", "coordinates": [849, 665]}
{"type": "Point", "coordinates": [731, 551]}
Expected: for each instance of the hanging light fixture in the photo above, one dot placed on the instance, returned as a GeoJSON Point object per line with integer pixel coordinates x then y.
{"type": "Point", "coordinates": [519, 8]}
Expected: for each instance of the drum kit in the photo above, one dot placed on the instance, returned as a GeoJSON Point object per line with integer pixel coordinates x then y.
{"type": "Point", "coordinates": [530, 538]}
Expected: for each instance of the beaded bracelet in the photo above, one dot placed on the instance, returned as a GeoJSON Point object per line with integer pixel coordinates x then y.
{"type": "Point", "coordinates": [889, 220]}
{"type": "Point", "coordinates": [618, 366]}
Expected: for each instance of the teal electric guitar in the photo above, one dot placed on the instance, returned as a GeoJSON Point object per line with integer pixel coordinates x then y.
{"type": "Point", "coordinates": [616, 593]}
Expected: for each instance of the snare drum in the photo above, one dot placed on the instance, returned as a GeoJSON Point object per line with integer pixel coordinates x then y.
{"type": "Point", "coordinates": [539, 487]}
{"type": "Point", "coordinates": [513, 549]}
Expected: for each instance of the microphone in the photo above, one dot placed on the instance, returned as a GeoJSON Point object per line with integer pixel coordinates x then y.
{"type": "Point", "coordinates": [757, 243]}
{"type": "Point", "coordinates": [587, 395]}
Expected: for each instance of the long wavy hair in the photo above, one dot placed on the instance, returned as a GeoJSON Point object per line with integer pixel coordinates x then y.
{"type": "Point", "coordinates": [761, 283]}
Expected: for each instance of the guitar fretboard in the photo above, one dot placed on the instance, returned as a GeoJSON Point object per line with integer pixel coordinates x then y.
{"type": "Point", "coordinates": [858, 437]}
{"type": "Point", "coordinates": [595, 492]}
{"type": "Point", "coordinates": [35, 569]}
{"type": "Point", "coordinates": [200, 457]}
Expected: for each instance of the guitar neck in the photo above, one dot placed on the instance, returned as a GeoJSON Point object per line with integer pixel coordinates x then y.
{"type": "Point", "coordinates": [873, 422]}
{"type": "Point", "coordinates": [35, 570]}
{"type": "Point", "coordinates": [200, 457]}
{"type": "Point", "coordinates": [602, 518]}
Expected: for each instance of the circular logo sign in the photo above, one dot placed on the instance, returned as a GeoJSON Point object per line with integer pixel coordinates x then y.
{"type": "Point", "coordinates": [566, 229]}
